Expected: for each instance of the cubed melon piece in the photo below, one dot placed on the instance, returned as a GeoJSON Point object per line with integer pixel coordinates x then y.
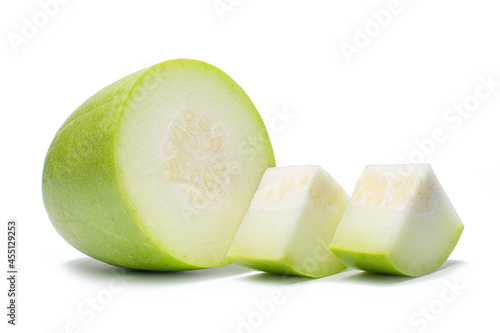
{"type": "Point", "coordinates": [291, 220]}
{"type": "Point", "coordinates": [397, 222]}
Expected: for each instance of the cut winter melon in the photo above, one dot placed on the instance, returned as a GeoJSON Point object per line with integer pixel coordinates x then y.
{"type": "Point", "coordinates": [290, 223]}
{"type": "Point", "coordinates": [397, 224]}
{"type": "Point", "coordinates": [157, 170]}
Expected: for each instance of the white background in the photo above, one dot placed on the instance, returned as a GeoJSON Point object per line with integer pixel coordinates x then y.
{"type": "Point", "coordinates": [342, 115]}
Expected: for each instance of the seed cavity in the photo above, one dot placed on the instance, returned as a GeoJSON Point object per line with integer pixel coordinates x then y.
{"type": "Point", "coordinates": [300, 187]}
{"type": "Point", "coordinates": [194, 161]}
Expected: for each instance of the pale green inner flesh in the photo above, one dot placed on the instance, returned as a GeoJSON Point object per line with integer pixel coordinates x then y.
{"type": "Point", "coordinates": [368, 229]}
{"type": "Point", "coordinates": [191, 150]}
{"type": "Point", "coordinates": [426, 240]}
{"type": "Point", "coordinates": [404, 225]}
{"type": "Point", "coordinates": [290, 223]}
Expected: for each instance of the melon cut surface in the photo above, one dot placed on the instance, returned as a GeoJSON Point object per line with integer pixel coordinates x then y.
{"type": "Point", "coordinates": [157, 170]}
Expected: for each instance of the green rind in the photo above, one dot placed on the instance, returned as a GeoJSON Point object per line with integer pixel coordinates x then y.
{"type": "Point", "coordinates": [80, 184]}
{"type": "Point", "coordinates": [379, 263]}
{"type": "Point", "coordinates": [270, 266]}
{"type": "Point", "coordinates": [383, 263]}
{"type": "Point", "coordinates": [334, 266]}
{"type": "Point", "coordinates": [283, 266]}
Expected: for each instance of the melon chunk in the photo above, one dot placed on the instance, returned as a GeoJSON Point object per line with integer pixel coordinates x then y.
{"type": "Point", "coordinates": [157, 170]}
{"type": "Point", "coordinates": [290, 223]}
{"type": "Point", "coordinates": [397, 223]}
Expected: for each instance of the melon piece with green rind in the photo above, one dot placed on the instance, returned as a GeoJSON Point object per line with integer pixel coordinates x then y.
{"type": "Point", "coordinates": [290, 223]}
{"type": "Point", "coordinates": [157, 170]}
{"type": "Point", "coordinates": [399, 221]}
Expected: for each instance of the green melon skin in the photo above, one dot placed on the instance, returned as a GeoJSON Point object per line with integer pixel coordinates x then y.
{"type": "Point", "coordinates": [94, 206]}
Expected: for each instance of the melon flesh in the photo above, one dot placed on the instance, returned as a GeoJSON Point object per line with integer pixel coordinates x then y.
{"type": "Point", "coordinates": [157, 170]}
{"type": "Point", "coordinates": [397, 223]}
{"type": "Point", "coordinates": [290, 223]}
